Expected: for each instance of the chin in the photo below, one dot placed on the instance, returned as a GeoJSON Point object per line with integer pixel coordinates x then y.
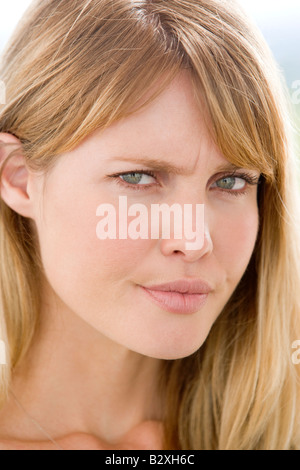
{"type": "Point", "coordinates": [171, 352]}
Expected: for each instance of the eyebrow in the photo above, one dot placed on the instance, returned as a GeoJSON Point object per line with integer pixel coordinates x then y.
{"type": "Point", "coordinates": [158, 165]}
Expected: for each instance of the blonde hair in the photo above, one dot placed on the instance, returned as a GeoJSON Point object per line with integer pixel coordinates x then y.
{"type": "Point", "coordinates": [74, 66]}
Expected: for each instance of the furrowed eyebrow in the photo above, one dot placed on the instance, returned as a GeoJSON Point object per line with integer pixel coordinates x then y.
{"type": "Point", "coordinates": [158, 165]}
{"type": "Point", "coordinates": [228, 167]}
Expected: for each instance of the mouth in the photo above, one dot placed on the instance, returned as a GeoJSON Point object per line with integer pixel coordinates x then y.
{"type": "Point", "coordinates": [183, 297]}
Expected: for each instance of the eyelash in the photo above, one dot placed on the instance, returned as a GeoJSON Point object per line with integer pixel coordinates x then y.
{"type": "Point", "coordinates": [250, 180]}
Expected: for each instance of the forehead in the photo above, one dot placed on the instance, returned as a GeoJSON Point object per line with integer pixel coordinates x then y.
{"type": "Point", "coordinates": [173, 124]}
{"type": "Point", "coordinates": [170, 134]}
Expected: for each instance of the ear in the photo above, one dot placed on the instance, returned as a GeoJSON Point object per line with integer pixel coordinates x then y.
{"type": "Point", "coordinates": [15, 176]}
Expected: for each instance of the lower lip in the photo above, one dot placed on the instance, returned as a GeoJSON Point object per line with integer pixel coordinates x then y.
{"type": "Point", "coordinates": [176, 302]}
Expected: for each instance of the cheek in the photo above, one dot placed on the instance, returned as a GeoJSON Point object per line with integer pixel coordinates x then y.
{"type": "Point", "coordinates": [116, 260]}
{"type": "Point", "coordinates": [235, 241]}
{"type": "Point", "coordinates": [74, 258]}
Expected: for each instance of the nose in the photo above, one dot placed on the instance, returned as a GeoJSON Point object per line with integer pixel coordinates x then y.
{"type": "Point", "coordinates": [185, 247]}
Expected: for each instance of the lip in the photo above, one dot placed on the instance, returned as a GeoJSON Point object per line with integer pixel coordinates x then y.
{"type": "Point", "coordinates": [184, 286]}
{"type": "Point", "coordinates": [181, 296]}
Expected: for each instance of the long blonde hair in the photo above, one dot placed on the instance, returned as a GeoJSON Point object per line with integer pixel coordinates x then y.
{"type": "Point", "coordinates": [74, 66]}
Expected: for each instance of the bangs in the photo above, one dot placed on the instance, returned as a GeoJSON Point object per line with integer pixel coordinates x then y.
{"type": "Point", "coordinates": [233, 86]}
{"type": "Point", "coordinates": [115, 53]}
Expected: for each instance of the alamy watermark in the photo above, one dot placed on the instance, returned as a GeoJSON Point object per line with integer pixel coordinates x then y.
{"type": "Point", "coordinates": [296, 93]}
{"type": "Point", "coordinates": [2, 353]}
{"type": "Point", "coordinates": [139, 227]}
{"type": "Point", "coordinates": [296, 354]}
{"type": "Point", "coordinates": [2, 92]}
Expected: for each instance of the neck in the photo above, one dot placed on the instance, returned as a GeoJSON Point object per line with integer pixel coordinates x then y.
{"type": "Point", "coordinates": [74, 379]}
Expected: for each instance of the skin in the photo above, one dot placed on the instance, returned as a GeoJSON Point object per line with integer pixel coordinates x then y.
{"type": "Point", "coordinates": [101, 340]}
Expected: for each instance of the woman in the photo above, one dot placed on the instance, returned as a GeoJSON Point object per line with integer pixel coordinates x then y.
{"type": "Point", "coordinates": [160, 102]}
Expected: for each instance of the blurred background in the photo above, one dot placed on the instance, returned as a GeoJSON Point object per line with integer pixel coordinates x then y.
{"type": "Point", "coordinates": [279, 21]}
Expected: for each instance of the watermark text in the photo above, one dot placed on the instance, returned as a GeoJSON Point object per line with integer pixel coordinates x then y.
{"type": "Point", "coordinates": [296, 354]}
{"type": "Point", "coordinates": [2, 353]}
{"type": "Point", "coordinates": [2, 92]}
{"type": "Point", "coordinates": [138, 228]}
{"type": "Point", "coordinates": [296, 93]}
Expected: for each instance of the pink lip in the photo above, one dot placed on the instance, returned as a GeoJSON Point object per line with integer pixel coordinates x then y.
{"type": "Point", "coordinates": [180, 296]}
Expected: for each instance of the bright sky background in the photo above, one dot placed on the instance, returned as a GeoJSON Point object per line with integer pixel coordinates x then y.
{"type": "Point", "coordinates": [279, 21]}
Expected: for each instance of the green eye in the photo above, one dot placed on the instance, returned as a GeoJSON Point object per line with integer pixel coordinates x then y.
{"type": "Point", "coordinates": [231, 182]}
{"type": "Point", "coordinates": [132, 178]}
{"type": "Point", "coordinates": [136, 178]}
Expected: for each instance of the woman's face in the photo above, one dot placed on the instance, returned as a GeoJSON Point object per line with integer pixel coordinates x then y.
{"type": "Point", "coordinates": [100, 280]}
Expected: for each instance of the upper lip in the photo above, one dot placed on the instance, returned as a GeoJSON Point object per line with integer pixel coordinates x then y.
{"type": "Point", "coordinates": [196, 286]}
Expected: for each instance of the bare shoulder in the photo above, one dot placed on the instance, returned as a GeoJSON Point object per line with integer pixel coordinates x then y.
{"type": "Point", "coordinates": [77, 441]}
{"type": "Point", "coordinates": [7, 444]}
{"type": "Point", "coordinates": [146, 436]}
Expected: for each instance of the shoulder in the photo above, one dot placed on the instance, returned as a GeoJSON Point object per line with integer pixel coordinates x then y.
{"type": "Point", "coordinates": [7, 444]}
{"type": "Point", "coordinates": [78, 441]}
{"type": "Point", "coordinates": [147, 436]}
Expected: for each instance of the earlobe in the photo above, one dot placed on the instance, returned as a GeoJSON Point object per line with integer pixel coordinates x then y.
{"type": "Point", "coordinates": [15, 175]}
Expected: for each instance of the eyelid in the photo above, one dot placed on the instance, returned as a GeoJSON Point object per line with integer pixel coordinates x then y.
{"type": "Point", "coordinates": [250, 180]}
{"type": "Point", "coordinates": [135, 187]}
{"type": "Point", "coordinates": [243, 174]}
